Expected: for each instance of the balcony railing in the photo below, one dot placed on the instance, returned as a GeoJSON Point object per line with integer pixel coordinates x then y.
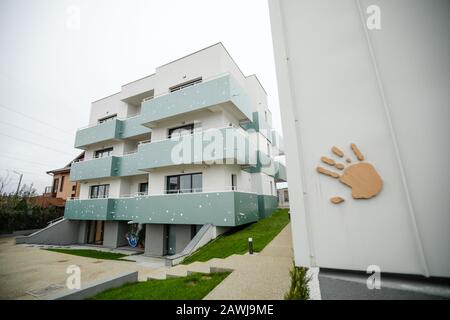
{"type": "Point", "coordinates": [228, 145]}
{"type": "Point", "coordinates": [95, 168]}
{"type": "Point", "coordinates": [89, 209]}
{"type": "Point", "coordinates": [111, 130]}
{"type": "Point", "coordinates": [218, 90]}
{"type": "Point", "coordinates": [221, 208]}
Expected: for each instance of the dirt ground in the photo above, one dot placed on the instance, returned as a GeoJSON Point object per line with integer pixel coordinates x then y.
{"type": "Point", "coordinates": [25, 268]}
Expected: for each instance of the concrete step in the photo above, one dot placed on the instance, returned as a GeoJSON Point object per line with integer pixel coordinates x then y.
{"type": "Point", "coordinates": [177, 271]}
{"type": "Point", "coordinates": [211, 266]}
{"type": "Point", "coordinates": [157, 275]}
{"type": "Point", "coordinates": [198, 267]}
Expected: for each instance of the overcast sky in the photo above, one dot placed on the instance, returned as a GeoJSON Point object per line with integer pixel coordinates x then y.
{"type": "Point", "coordinates": [51, 70]}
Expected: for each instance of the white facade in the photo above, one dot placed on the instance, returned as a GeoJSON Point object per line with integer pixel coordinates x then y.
{"type": "Point", "coordinates": [386, 90]}
{"type": "Point", "coordinates": [208, 64]}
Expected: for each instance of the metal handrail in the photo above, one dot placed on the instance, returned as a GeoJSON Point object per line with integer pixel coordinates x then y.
{"type": "Point", "coordinates": [55, 220]}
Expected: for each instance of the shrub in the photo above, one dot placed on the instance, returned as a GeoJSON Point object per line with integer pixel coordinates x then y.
{"type": "Point", "coordinates": [17, 214]}
{"type": "Point", "coordinates": [299, 284]}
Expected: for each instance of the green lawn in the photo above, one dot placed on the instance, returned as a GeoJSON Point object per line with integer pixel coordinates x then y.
{"type": "Point", "coordinates": [192, 287]}
{"type": "Point", "coordinates": [227, 244]}
{"type": "Point", "coordinates": [96, 254]}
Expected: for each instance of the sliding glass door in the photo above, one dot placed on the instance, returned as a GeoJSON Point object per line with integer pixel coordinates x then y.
{"type": "Point", "coordinates": [184, 183]}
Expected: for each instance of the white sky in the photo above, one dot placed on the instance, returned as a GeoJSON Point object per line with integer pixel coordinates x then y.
{"type": "Point", "coordinates": [51, 73]}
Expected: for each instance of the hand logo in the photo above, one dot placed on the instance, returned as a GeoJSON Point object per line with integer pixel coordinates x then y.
{"type": "Point", "coordinates": [361, 177]}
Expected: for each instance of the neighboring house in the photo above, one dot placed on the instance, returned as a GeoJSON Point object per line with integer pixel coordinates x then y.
{"type": "Point", "coordinates": [62, 187]}
{"type": "Point", "coordinates": [283, 198]}
{"type": "Point", "coordinates": [149, 164]}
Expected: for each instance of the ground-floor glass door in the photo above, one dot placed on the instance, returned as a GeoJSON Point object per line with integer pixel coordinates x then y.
{"type": "Point", "coordinates": [95, 232]}
{"type": "Point", "coordinates": [169, 239]}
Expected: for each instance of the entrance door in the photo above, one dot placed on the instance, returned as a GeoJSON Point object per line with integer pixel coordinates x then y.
{"type": "Point", "coordinates": [169, 240]}
{"type": "Point", "coordinates": [99, 227]}
{"type": "Point", "coordinates": [95, 232]}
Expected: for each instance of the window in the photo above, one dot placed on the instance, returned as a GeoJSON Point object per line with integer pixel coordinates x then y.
{"type": "Point", "coordinates": [108, 118]}
{"type": "Point", "coordinates": [185, 183]}
{"type": "Point", "coordinates": [55, 185]}
{"type": "Point", "coordinates": [103, 153]}
{"type": "Point", "coordinates": [265, 115]}
{"type": "Point", "coordinates": [185, 129]}
{"type": "Point", "coordinates": [62, 184]}
{"type": "Point", "coordinates": [185, 84]}
{"type": "Point", "coordinates": [233, 182]}
{"type": "Point", "coordinates": [99, 191]}
{"type": "Point", "coordinates": [271, 188]}
{"type": "Point", "coordinates": [286, 196]}
{"type": "Point", "coordinates": [268, 149]}
{"type": "Point", "coordinates": [143, 188]}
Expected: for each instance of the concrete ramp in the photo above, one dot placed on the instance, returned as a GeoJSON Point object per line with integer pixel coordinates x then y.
{"type": "Point", "coordinates": [207, 233]}
{"type": "Point", "coordinates": [62, 232]}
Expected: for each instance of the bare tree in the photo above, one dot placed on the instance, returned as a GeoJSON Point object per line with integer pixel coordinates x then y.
{"type": "Point", "coordinates": [4, 182]}
{"type": "Point", "coordinates": [27, 190]}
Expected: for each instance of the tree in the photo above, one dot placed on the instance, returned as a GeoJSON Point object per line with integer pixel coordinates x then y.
{"type": "Point", "coordinates": [4, 182]}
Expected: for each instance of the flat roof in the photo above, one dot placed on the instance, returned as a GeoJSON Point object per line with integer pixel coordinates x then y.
{"type": "Point", "coordinates": [190, 54]}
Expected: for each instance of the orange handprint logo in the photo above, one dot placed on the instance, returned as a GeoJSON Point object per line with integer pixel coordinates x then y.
{"type": "Point", "coordinates": [361, 177]}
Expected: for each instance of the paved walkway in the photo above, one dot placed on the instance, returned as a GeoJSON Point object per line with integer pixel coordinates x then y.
{"type": "Point", "coordinates": [263, 275]}
{"type": "Point", "coordinates": [26, 269]}
{"type": "Point", "coordinates": [259, 276]}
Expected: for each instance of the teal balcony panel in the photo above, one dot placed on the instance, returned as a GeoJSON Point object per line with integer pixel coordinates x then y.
{"type": "Point", "coordinates": [200, 96]}
{"type": "Point", "coordinates": [280, 172]}
{"type": "Point", "coordinates": [266, 205]}
{"type": "Point", "coordinates": [102, 132]}
{"type": "Point", "coordinates": [111, 130]}
{"type": "Point", "coordinates": [258, 124]}
{"type": "Point", "coordinates": [95, 168]}
{"type": "Point", "coordinates": [218, 208]}
{"type": "Point", "coordinates": [128, 165]}
{"type": "Point", "coordinates": [278, 142]}
{"type": "Point", "coordinates": [132, 127]}
{"type": "Point", "coordinates": [264, 164]}
{"type": "Point", "coordinates": [89, 209]}
{"type": "Point", "coordinates": [226, 145]}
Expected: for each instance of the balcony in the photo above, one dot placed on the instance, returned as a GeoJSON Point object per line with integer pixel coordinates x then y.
{"type": "Point", "coordinates": [258, 124]}
{"type": "Point", "coordinates": [49, 192]}
{"type": "Point", "coordinates": [225, 145]}
{"type": "Point", "coordinates": [111, 130]}
{"type": "Point", "coordinates": [280, 172]}
{"type": "Point", "coordinates": [264, 164]}
{"type": "Point", "coordinates": [277, 142]}
{"type": "Point", "coordinates": [95, 168]}
{"type": "Point", "coordinates": [102, 132]}
{"type": "Point", "coordinates": [221, 90]}
{"type": "Point", "coordinates": [224, 208]}
{"type": "Point", "coordinates": [229, 145]}
{"type": "Point", "coordinates": [89, 209]}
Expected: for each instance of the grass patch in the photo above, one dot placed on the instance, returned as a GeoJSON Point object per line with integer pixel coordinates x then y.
{"type": "Point", "coordinates": [95, 254]}
{"type": "Point", "coordinates": [236, 241]}
{"type": "Point", "coordinates": [192, 287]}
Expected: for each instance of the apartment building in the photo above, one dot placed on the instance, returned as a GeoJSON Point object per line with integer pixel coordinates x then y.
{"type": "Point", "coordinates": [187, 150]}
{"type": "Point", "coordinates": [283, 198]}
